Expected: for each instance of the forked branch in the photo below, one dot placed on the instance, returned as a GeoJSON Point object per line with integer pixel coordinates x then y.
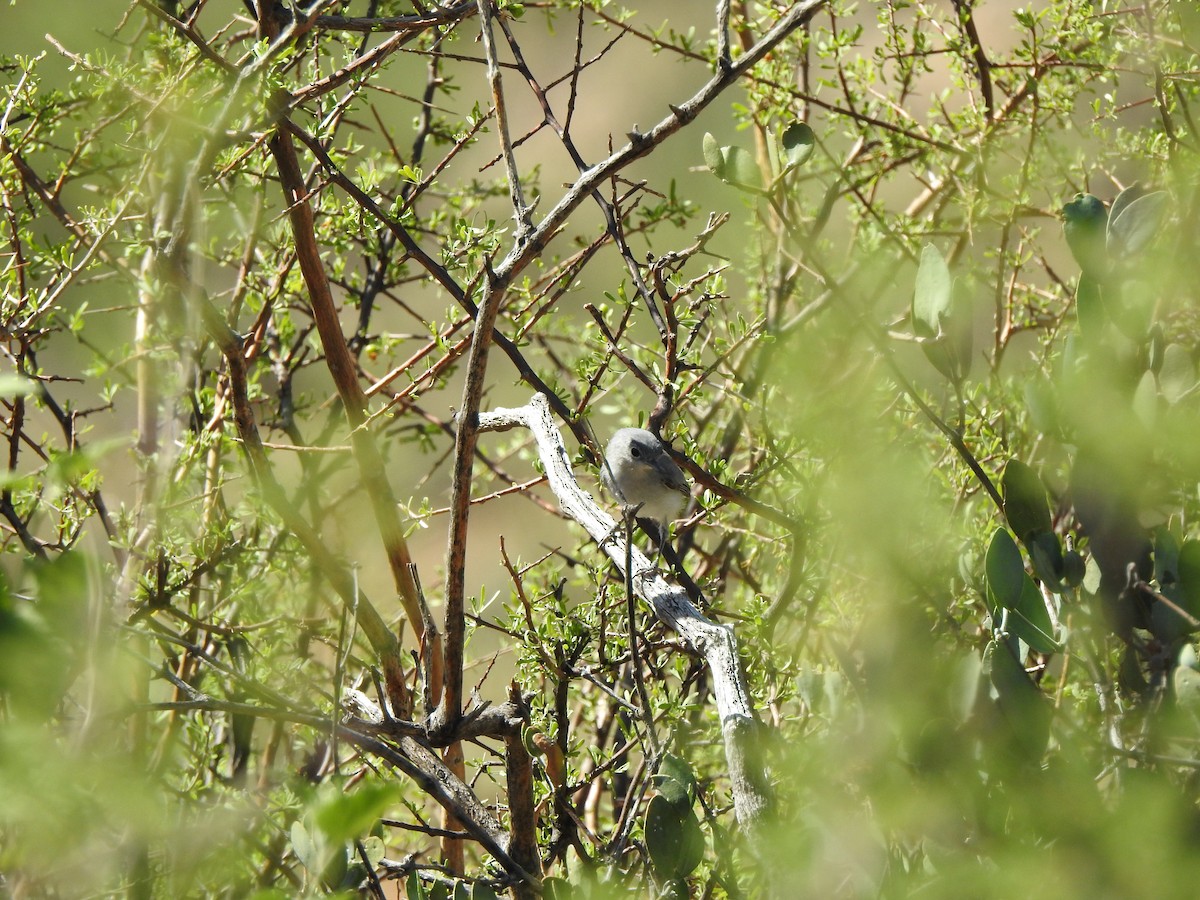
{"type": "Point", "coordinates": [714, 642]}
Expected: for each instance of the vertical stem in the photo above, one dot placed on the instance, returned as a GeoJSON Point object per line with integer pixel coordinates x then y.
{"type": "Point", "coordinates": [460, 499]}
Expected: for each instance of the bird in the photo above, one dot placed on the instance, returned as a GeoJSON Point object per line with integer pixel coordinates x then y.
{"type": "Point", "coordinates": [640, 473]}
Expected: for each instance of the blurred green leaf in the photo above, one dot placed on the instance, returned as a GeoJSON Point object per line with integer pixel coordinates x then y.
{"type": "Point", "coordinates": [1189, 574]}
{"type": "Point", "coordinates": [1133, 224]}
{"type": "Point", "coordinates": [1025, 711]}
{"type": "Point", "coordinates": [713, 157]}
{"type": "Point", "coordinates": [1123, 199]}
{"type": "Point", "coordinates": [1025, 503]}
{"type": "Point", "coordinates": [1041, 399]}
{"type": "Point", "coordinates": [1177, 375]}
{"type": "Point", "coordinates": [13, 385]}
{"type": "Point", "coordinates": [1085, 220]}
{"type": "Point", "coordinates": [932, 295]}
{"type": "Point", "coordinates": [1145, 400]}
{"type": "Point", "coordinates": [1166, 556]}
{"type": "Point", "coordinates": [1189, 20]}
{"type": "Point", "coordinates": [374, 849]}
{"type": "Point", "coordinates": [1089, 307]}
{"type": "Point", "coordinates": [306, 849]}
{"type": "Point", "coordinates": [1185, 682]}
{"type": "Point", "coordinates": [343, 817]}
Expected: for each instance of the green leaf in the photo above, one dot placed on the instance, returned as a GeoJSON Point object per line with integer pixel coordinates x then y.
{"type": "Point", "coordinates": [347, 816]}
{"type": "Point", "coordinates": [1025, 503]}
{"type": "Point", "coordinates": [1024, 709]}
{"type": "Point", "coordinates": [1166, 556]}
{"type": "Point", "coordinates": [374, 849]}
{"type": "Point", "coordinates": [335, 872]}
{"type": "Point", "coordinates": [1089, 307]}
{"type": "Point", "coordinates": [1189, 574]}
{"type": "Point", "coordinates": [1189, 20]}
{"type": "Point", "coordinates": [1177, 374]}
{"type": "Point", "coordinates": [414, 888]}
{"type": "Point", "coordinates": [798, 143]}
{"type": "Point", "coordinates": [933, 293]}
{"type": "Point", "coordinates": [1123, 199]}
{"type": "Point", "coordinates": [553, 888]}
{"type": "Point", "coordinates": [481, 890]}
{"type": "Point", "coordinates": [674, 839]}
{"type": "Point", "coordinates": [1005, 571]}
{"type": "Point", "coordinates": [14, 385]}
{"type": "Point", "coordinates": [1030, 620]}
{"type": "Point", "coordinates": [1045, 552]}
{"type": "Point", "coordinates": [950, 351]}
{"type": "Point", "coordinates": [1084, 222]}
{"type": "Point", "coordinates": [1132, 226]}
{"type": "Point", "coordinates": [740, 168]}
{"type": "Point", "coordinates": [1041, 400]}
{"type": "Point", "coordinates": [712, 156]}
{"type": "Point", "coordinates": [1166, 621]}
{"type": "Point", "coordinates": [1145, 400]}
{"type": "Point", "coordinates": [1074, 569]}
{"type": "Point", "coordinates": [306, 849]}
{"type": "Point", "coordinates": [1186, 682]}
{"type": "Point", "coordinates": [675, 781]}
{"type": "Point", "coordinates": [1091, 576]}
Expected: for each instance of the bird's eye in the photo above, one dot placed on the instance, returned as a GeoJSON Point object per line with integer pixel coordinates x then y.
{"type": "Point", "coordinates": [635, 452]}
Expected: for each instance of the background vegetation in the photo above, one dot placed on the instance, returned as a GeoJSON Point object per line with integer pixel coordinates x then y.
{"type": "Point", "coordinates": [263, 264]}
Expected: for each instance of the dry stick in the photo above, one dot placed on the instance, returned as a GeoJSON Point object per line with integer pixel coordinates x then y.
{"type": "Point", "coordinates": [422, 765]}
{"type": "Point", "coordinates": [521, 212]}
{"type": "Point", "coordinates": [450, 710]}
{"type": "Point", "coordinates": [715, 642]}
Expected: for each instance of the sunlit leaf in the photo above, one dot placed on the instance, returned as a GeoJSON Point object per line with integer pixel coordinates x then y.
{"type": "Point", "coordinates": [712, 156]}
{"type": "Point", "coordinates": [798, 142]}
{"type": "Point", "coordinates": [740, 168]}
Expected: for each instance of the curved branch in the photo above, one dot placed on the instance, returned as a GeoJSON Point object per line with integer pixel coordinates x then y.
{"type": "Point", "coordinates": [714, 642]}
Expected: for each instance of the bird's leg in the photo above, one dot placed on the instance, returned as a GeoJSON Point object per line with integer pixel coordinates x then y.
{"type": "Point", "coordinates": [681, 574]}
{"type": "Point", "coordinates": [628, 514]}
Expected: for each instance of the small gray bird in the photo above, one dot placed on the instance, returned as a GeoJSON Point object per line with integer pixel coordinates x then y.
{"type": "Point", "coordinates": [639, 472]}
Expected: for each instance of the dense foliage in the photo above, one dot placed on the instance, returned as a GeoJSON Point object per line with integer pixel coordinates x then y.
{"type": "Point", "coordinates": [911, 290]}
